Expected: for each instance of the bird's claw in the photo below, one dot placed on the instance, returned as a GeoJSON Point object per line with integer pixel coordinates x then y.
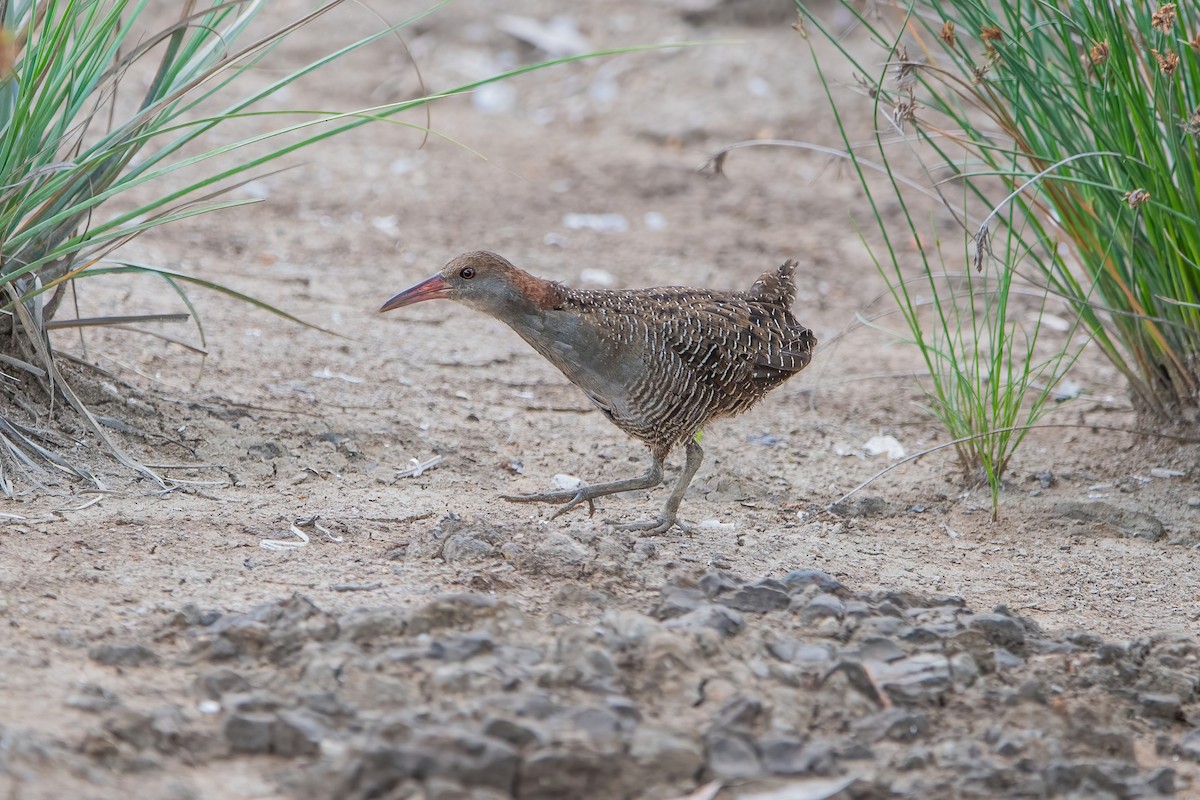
{"type": "Point", "coordinates": [573, 498]}
{"type": "Point", "coordinates": [654, 526]}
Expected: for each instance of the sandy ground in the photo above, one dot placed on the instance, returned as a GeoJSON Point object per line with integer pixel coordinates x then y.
{"type": "Point", "coordinates": [280, 423]}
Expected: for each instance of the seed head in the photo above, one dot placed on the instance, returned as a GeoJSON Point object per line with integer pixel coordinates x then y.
{"type": "Point", "coordinates": [871, 89]}
{"type": "Point", "coordinates": [1099, 53]}
{"type": "Point", "coordinates": [948, 35]}
{"type": "Point", "coordinates": [1194, 43]}
{"type": "Point", "coordinates": [991, 34]}
{"type": "Point", "coordinates": [799, 27]}
{"type": "Point", "coordinates": [1167, 63]}
{"type": "Point", "coordinates": [1136, 198]}
{"type": "Point", "coordinates": [1164, 18]}
{"type": "Point", "coordinates": [904, 68]}
{"type": "Point", "coordinates": [905, 111]}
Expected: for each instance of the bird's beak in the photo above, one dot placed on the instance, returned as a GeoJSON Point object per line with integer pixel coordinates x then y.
{"type": "Point", "coordinates": [428, 289]}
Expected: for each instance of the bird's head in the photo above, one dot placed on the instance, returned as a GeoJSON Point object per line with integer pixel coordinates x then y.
{"type": "Point", "coordinates": [481, 280]}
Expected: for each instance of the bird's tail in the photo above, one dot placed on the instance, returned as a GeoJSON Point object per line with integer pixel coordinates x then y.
{"type": "Point", "coordinates": [777, 287]}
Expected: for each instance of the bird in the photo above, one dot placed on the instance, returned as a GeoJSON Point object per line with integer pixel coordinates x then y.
{"type": "Point", "coordinates": [659, 363]}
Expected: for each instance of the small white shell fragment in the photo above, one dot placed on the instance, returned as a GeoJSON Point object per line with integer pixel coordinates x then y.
{"type": "Point", "coordinates": [1162, 472]}
{"type": "Point", "coordinates": [654, 221]}
{"type": "Point", "coordinates": [495, 98]}
{"type": "Point", "coordinates": [601, 223]}
{"type": "Point", "coordinates": [1067, 390]}
{"type": "Point", "coordinates": [567, 482]}
{"type": "Point", "coordinates": [885, 445]}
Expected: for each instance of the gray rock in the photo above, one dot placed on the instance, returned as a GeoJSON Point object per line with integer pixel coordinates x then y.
{"type": "Point", "coordinates": [589, 666]}
{"type": "Point", "coordinates": [275, 631]}
{"type": "Point", "coordinates": [214, 685]}
{"type": "Point", "coordinates": [605, 729]}
{"type": "Point", "coordinates": [724, 621]}
{"type": "Point", "coordinates": [863, 507]}
{"type": "Point", "coordinates": [896, 724]}
{"type": "Point", "coordinates": [250, 732]}
{"type": "Point", "coordinates": [756, 599]}
{"type": "Point", "coordinates": [1162, 780]}
{"type": "Point", "coordinates": [879, 648]}
{"type": "Point", "coordinates": [677, 601]}
{"type": "Point", "coordinates": [473, 760]}
{"type": "Point", "coordinates": [373, 625]}
{"type": "Point", "coordinates": [132, 727]}
{"type": "Point", "coordinates": [740, 712]}
{"type": "Point", "coordinates": [882, 626]}
{"type": "Point", "coordinates": [793, 651]}
{"type": "Point", "coordinates": [296, 733]}
{"type": "Point", "coordinates": [913, 759]}
{"type": "Point", "coordinates": [192, 615]}
{"type": "Point", "coordinates": [1103, 741]}
{"type": "Point", "coordinates": [558, 547]}
{"type": "Point", "coordinates": [964, 671]}
{"type": "Point", "coordinates": [1158, 679]}
{"type": "Point", "coordinates": [1032, 691]}
{"type": "Point", "coordinates": [625, 708]}
{"type": "Point", "coordinates": [330, 706]}
{"type": "Point", "coordinates": [123, 655]}
{"type": "Point", "coordinates": [518, 733]}
{"type": "Point", "coordinates": [920, 678]}
{"type": "Point", "coordinates": [92, 697]}
{"type": "Point", "coordinates": [1105, 516]}
{"type": "Point", "coordinates": [377, 772]}
{"type": "Point", "coordinates": [927, 634]}
{"type": "Point", "coordinates": [1160, 706]}
{"type": "Point", "coordinates": [732, 756]}
{"type": "Point", "coordinates": [461, 648]}
{"type": "Point", "coordinates": [1189, 746]}
{"type": "Point", "coordinates": [450, 611]}
{"type": "Point", "coordinates": [1009, 746]}
{"type": "Point", "coordinates": [467, 546]}
{"type": "Point", "coordinates": [784, 756]}
{"type": "Point", "coordinates": [801, 579]}
{"type": "Point", "coordinates": [999, 629]}
{"type": "Point", "coordinates": [713, 583]}
{"type": "Point", "coordinates": [558, 771]}
{"type": "Point", "coordinates": [1004, 660]}
{"type": "Point", "coordinates": [671, 757]}
{"type": "Point", "coordinates": [822, 606]}
{"type": "Point", "coordinates": [858, 609]}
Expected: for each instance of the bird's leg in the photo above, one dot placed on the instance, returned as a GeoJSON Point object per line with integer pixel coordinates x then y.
{"type": "Point", "coordinates": [666, 520]}
{"type": "Point", "coordinates": [588, 493]}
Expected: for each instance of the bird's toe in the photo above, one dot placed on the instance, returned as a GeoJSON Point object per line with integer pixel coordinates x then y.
{"type": "Point", "coordinates": [652, 526]}
{"type": "Point", "coordinates": [540, 497]}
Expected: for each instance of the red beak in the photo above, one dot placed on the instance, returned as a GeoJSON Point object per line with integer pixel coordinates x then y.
{"type": "Point", "coordinates": [429, 289]}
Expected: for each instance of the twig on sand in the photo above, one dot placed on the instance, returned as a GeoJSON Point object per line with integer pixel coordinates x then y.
{"type": "Point", "coordinates": [418, 467]}
{"type": "Point", "coordinates": [280, 545]}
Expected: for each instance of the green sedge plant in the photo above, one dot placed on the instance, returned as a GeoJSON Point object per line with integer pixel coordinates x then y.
{"type": "Point", "coordinates": [945, 146]}
{"type": "Point", "coordinates": [1089, 113]}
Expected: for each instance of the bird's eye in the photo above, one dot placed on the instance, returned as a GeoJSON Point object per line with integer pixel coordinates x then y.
{"type": "Point", "coordinates": [466, 273]}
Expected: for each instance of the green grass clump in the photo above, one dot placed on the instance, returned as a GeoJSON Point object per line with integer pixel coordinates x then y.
{"type": "Point", "coordinates": [1064, 139]}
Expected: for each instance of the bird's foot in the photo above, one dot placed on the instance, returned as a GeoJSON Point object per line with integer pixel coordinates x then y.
{"type": "Point", "coordinates": [660, 525]}
{"type": "Point", "coordinates": [571, 498]}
